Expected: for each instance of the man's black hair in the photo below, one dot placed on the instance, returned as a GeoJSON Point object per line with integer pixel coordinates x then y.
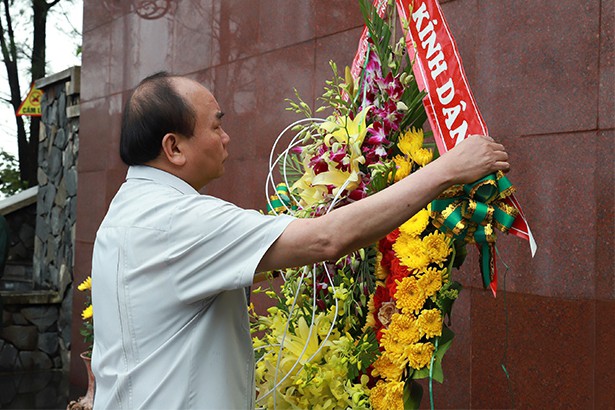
{"type": "Point", "coordinates": [154, 109]}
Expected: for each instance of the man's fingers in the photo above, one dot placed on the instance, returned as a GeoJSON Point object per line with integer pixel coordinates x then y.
{"type": "Point", "coordinates": [501, 156]}
{"type": "Point", "coordinates": [501, 166]}
{"type": "Point", "coordinates": [497, 146]}
{"type": "Point", "coordinates": [483, 136]}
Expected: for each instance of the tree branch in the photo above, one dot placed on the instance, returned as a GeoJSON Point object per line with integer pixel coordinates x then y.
{"type": "Point", "coordinates": [53, 3]}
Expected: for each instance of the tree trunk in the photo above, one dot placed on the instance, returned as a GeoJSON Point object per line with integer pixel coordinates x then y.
{"type": "Point", "coordinates": [27, 146]}
{"type": "Point", "coordinates": [40, 9]}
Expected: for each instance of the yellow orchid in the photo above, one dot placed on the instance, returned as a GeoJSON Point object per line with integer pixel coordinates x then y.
{"type": "Point", "coordinates": [308, 192]}
{"type": "Point", "coordinates": [295, 343]}
{"type": "Point", "coordinates": [301, 383]}
{"type": "Point", "coordinates": [351, 133]}
{"type": "Point", "coordinates": [343, 138]}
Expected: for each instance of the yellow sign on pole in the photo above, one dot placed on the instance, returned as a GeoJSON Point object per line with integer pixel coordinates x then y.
{"type": "Point", "coordinates": [32, 104]}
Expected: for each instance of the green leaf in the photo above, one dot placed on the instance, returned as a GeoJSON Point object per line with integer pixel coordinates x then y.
{"type": "Point", "coordinates": [447, 296]}
{"type": "Point", "coordinates": [460, 253]}
{"type": "Point", "coordinates": [444, 344]}
{"type": "Point", "coordinates": [413, 394]}
{"type": "Point", "coordinates": [10, 179]}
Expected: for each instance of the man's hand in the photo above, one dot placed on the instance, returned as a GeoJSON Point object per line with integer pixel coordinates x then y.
{"type": "Point", "coordinates": [473, 158]}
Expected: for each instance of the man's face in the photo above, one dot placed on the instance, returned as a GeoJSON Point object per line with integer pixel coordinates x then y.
{"type": "Point", "coordinates": [206, 150]}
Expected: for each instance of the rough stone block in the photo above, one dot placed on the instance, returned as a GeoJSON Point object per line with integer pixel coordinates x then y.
{"type": "Point", "coordinates": [41, 316]}
{"type": "Point", "coordinates": [60, 199]}
{"type": "Point", "coordinates": [71, 182]}
{"type": "Point", "coordinates": [7, 391]}
{"type": "Point", "coordinates": [18, 319]}
{"type": "Point", "coordinates": [53, 115]}
{"type": "Point", "coordinates": [35, 360]}
{"type": "Point", "coordinates": [48, 343]}
{"type": "Point", "coordinates": [51, 280]}
{"type": "Point", "coordinates": [62, 108]}
{"type": "Point", "coordinates": [68, 157]}
{"type": "Point", "coordinates": [55, 163]}
{"type": "Point", "coordinates": [50, 195]}
{"type": "Point", "coordinates": [56, 221]}
{"type": "Point", "coordinates": [41, 176]}
{"type": "Point", "coordinates": [50, 253]}
{"type": "Point", "coordinates": [22, 337]}
{"type": "Point", "coordinates": [72, 111]}
{"type": "Point", "coordinates": [65, 355]}
{"type": "Point", "coordinates": [60, 139]}
{"type": "Point", "coordinates": [34, 382]}
{"type": "Point", "coordinates": [8, 354]}
{"type": "Point", "coordinates": [7, 318]}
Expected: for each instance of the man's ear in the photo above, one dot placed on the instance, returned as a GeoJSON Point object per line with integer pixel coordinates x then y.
{"type": "Point", "coordinates": [172, 150]}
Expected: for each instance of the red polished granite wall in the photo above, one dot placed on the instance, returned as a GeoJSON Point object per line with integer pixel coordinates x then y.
{"type": "Point", "coordinates": [543, 73]}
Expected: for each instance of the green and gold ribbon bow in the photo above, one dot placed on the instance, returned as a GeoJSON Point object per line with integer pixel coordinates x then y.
{"type": "Point", "coordinates": [281, 202]}
{"type": "Point", "coordinates": [471, 212]}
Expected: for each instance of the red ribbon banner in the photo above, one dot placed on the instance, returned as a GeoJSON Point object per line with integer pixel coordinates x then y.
{"type": "Point", "coordinates": [451, 109]}
{"type": "Point", "coordinates": [450, 105]}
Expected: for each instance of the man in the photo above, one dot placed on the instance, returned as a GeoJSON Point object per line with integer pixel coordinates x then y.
{"type": "Point", "coordinates": [169, 265]}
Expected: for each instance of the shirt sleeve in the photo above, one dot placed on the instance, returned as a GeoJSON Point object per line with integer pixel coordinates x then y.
{"type": "Point", "coordinates": [215, 246]}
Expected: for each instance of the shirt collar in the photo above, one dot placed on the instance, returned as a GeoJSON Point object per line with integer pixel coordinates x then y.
{"type": "Point", "coordinates": [161, 177]}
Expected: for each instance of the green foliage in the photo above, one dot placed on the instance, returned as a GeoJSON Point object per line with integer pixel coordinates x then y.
{"type": "Point", "coordinates": [367, 352]}
{"type": "Point", "coordinates": [379, 32]}
{"type": "Point", "coordinates": [87, 331]}
{"type": "Point", "coordinates": [300, 107]}
{"type": "Point", "coordinates": [292, 167]}
{"type": "Point", "coordinates": [336, 91]}
{"type": "Point", "coordinates": [382, 175]}
{"type": "Point", "coordinates": [444, 343]}
{"type": "Point", "coordinates": [413, 394]}
{"type": "Point", "coordinates": [10, 180]}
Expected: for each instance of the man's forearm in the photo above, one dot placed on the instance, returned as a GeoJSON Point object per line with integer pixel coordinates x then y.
{"type": "Point", "coordinates": [306, 241]}
{"type": "Point", "coordinates": [365, 222]}
{"type": "Point", "coordinates": [359, 224]}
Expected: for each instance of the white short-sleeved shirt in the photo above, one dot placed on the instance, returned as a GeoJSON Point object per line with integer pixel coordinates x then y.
{"type": "Point", "coordinates": [168, 275]}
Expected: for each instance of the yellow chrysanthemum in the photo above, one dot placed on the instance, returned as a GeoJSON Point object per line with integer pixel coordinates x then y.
{"type": "Point", "coordinates": [403, 328]}
{"type": "Point", "coordinates": [411, 252]}
{"type": "Point", "coordinates": [422, 156]}
{"type": "Point", "coordinates": [411, 141]}
{"type": "Point", "coordinates": [386, 368]}
{"type": "Point", "coordinates": [430, 323]}
{"type": "Point", "coordinates": [86, 284]}
{"type": "Point", "coordinates": [438, 247]}
{"type": "Point", "coordinates": [87, 313]}
{"type": "Point", "coordinates": [387, 395]}
{"type": "Point", "coordinates": [410, 295]}
{"type": "Point", "coordinates": [380, 271]}
{"type": "Point", "coordinates": [417, 224]}
{"type": "Point", "coordinates": [404, 167]}
{"type": "Point", "coordinates": [419, 354]}
{"type": "Point", "coordinates": [430, 282]}
{"type": "Point", "coordinates": [369, 320]}
{"type": "Point", "coordinates": [402, 332]}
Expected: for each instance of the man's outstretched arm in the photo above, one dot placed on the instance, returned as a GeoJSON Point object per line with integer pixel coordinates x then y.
{"type": "Point", "coordinates": [306, 241]}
